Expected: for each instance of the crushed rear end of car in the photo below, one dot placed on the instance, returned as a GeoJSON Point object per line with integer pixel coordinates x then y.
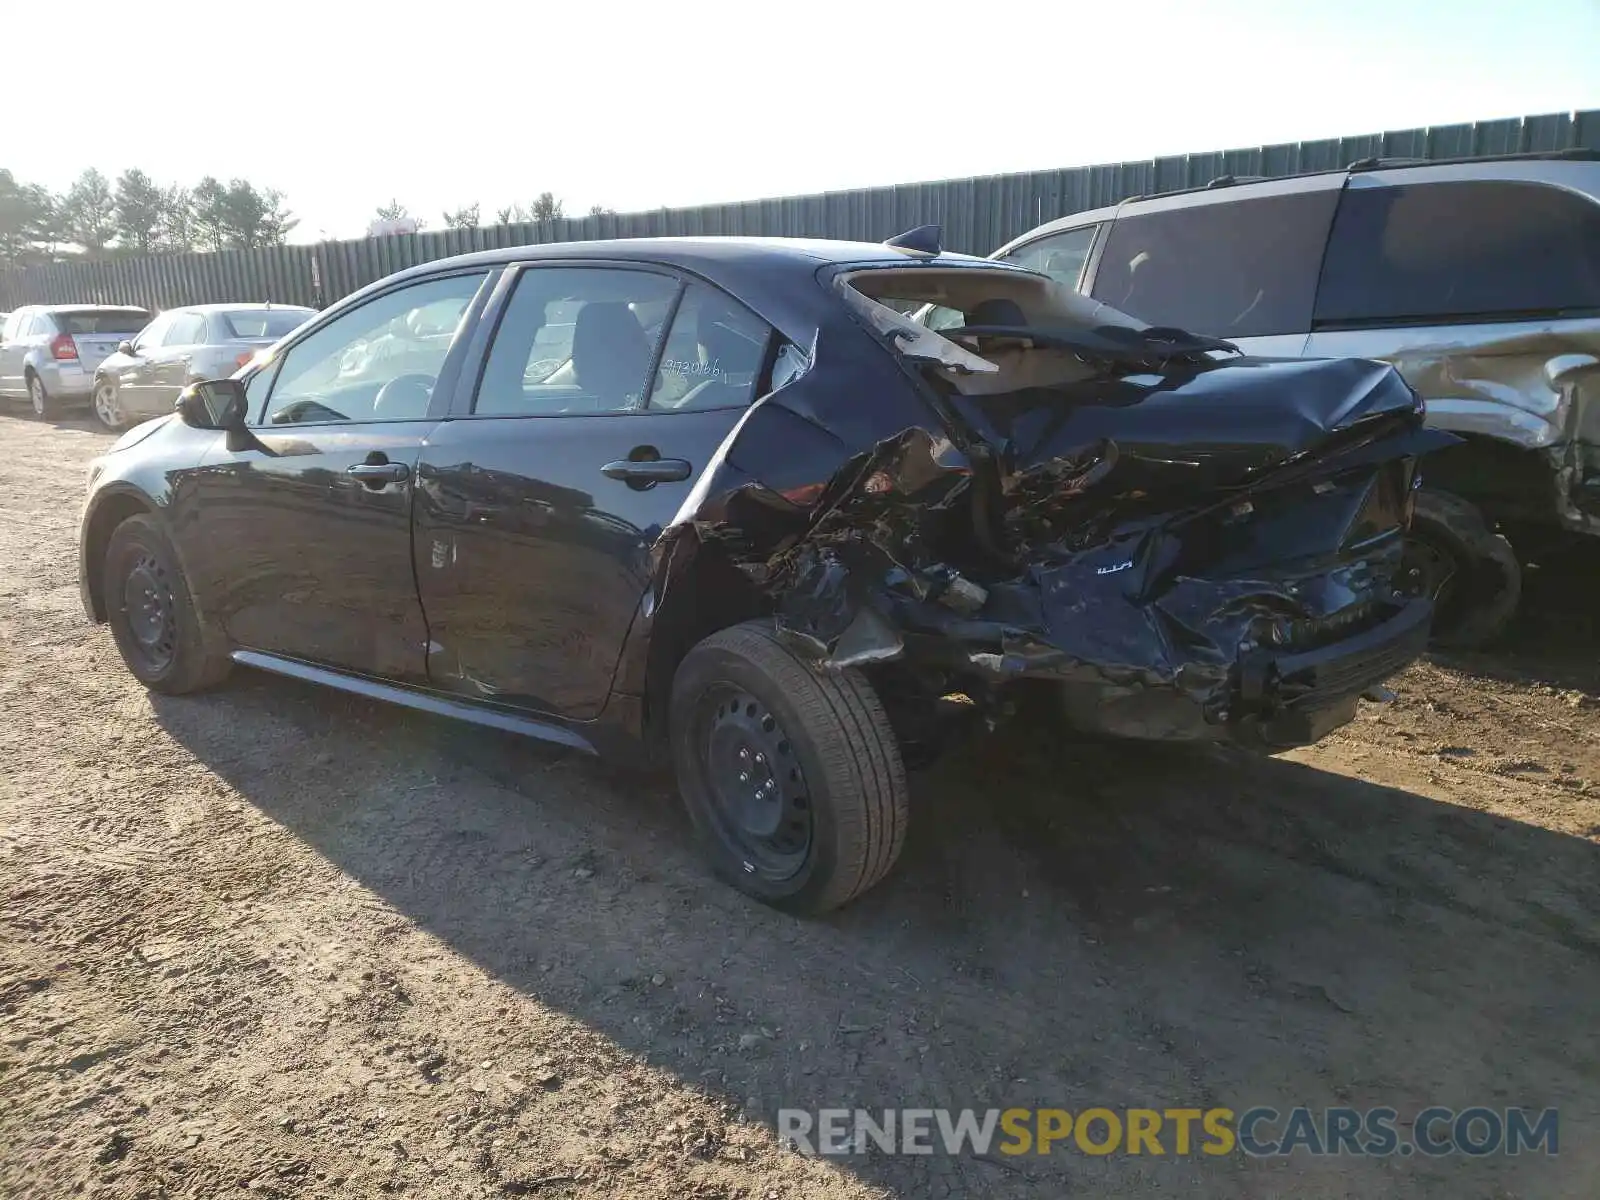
{"type": "Point", "coordinates": [1154, 536]}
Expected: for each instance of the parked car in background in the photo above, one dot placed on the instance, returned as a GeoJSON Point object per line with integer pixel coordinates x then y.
{"type": "Point", "coordinates": [743, 510]}
{"type": "Point", "coordinates": [1479, 279]}
{"type": "Point", "coordinates": [143, 377]}
{"type": "Point", "coordinates": [49, 352]}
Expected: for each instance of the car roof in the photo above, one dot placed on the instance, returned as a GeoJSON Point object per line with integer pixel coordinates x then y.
{"type": "Point", "coordinates": [240, 306]}
{"type": "Point", "coordinates": [68, 309]}
{"type": "Point", "coordinates": [1579, 168]}
{"type": "Point", "coordinates": [764, 273]}
{"type": "Point", "coordinates": [693, 252]}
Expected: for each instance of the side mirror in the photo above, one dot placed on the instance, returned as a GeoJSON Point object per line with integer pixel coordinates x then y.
{"type": "Point", "coordinates": [125, 347]}
{"type": "Point", "coordinates": [213, 404]}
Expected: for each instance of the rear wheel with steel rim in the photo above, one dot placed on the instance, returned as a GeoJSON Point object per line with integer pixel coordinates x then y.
{"type": "Point", "coordinates": [152, 615]}
{"type": "Point", "coordinates": [757, 791]}
{"type": "Point", "coordinates": [38, 397]}
{"type": "Point", "coordinates": [108, 406]}
{"type": "Point", "coordinates": [790, 773]}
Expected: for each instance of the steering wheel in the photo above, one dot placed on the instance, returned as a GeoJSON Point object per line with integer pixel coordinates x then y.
{"type": "Point", "coordinates": [404, 396]}
{"type": "Point", "coordinates": [306, 410]}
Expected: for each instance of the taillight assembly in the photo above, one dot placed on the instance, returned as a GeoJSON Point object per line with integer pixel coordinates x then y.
{"type": "Point", "coordinates": [63, 348]}
{"type": "Point", "coordinates": [244, 360]}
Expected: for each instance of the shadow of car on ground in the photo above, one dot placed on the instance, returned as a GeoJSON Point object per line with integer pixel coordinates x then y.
{"type": "Point", "coordinates": [1072, 924]}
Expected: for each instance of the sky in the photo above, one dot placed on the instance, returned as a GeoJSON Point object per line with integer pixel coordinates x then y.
{"type": "Point", "coordinates": [346, 105]}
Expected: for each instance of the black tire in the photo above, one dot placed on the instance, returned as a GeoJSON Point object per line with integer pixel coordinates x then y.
{"type": "Point", "coordinates": [1471, 571]}
{"type": "Point", "coordinates": [833, 758]}
{"type": "Point", "coordinates": [152, 615]}
{"type": "Point", "coordinates": [40, 402]}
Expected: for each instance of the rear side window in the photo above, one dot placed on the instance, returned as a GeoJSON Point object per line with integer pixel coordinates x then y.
{"type": "Point", "coordinates": [714, 353]}
{"type": "Point", "coordinates": [1234, 268]}
{"type": "Point", "coordinates": [1060, 256]}
{"type": "Point", "coordinates": [1460, 251]}
{"type": "Point", "coordinates": [101, 322]}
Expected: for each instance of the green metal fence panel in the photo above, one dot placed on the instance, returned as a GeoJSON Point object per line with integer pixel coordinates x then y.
{"type": "Point", "coordinates": [977, 214]}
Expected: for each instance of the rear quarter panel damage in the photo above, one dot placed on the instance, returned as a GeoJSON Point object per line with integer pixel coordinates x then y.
{"type": "Point", "coordinates": [1128, 542]}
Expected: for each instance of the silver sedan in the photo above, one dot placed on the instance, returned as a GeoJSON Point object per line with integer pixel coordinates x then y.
{"type": "Point", "coordinates": [205, 341]}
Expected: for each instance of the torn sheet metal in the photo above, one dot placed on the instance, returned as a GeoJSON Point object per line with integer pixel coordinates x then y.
{"type": "Point", "coordinates": [1176, 542]}
{"type": "Point", "coordinates": [1532, 386]}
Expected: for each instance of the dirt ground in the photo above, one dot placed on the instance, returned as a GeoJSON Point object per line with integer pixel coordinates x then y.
{"type": "Point", "coordinates": [281, 940]}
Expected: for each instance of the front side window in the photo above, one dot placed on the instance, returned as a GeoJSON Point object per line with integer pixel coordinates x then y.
{"type": "Point", "coordinates": [379, 362]}
{"type": "Point", "coordinates": [153, 334]}
{"type": "Point", "coordinates": [575, 340]}
{"type": "Point", "coordinates": [714, 353]}
{"type": "Point", "coordinates": [186, 330]}
{"type": "Point", "coordinates": [1458, 251]}
{"type": "Point", "coordinates": [1229, 268]}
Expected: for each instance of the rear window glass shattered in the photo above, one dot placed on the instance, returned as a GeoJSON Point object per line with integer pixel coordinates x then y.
{"type": "Point", "coordinates": [1002, 331]}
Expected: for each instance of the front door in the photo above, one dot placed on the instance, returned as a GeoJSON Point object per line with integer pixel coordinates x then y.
{"type": "Point", "coordinates": [537, 509]}
{"type": "Point", "coordinates": [170, 365]}
{"type": "Point", "coordinates": [305, 532]}
{"type": "Point", "coordinates": [136, 372]}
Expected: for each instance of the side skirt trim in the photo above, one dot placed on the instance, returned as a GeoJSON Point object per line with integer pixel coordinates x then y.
{"type": "Point", "coordinates": [428, 702]}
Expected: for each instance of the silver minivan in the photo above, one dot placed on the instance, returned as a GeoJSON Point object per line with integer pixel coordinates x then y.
{"type": "Point", "coordinates": [49, 352]}
{"type": "Point", "coordinates": [1479, 279]}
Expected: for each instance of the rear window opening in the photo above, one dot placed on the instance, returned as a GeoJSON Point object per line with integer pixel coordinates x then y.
{"type": "Point", "coordinates": [986, 332]}
{"type": "Point", "coordinates": [90, 321]}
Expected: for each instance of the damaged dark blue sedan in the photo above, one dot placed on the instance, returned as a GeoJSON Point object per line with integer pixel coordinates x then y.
{"type": "Point", "coordinates": [730, 500]}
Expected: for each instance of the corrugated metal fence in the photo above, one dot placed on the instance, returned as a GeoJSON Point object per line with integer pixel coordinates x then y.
{"type": "Point", "coordinates": [977, 215]}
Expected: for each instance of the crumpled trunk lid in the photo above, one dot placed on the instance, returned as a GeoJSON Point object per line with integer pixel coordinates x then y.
{"type": "Point", "coordinates": [1140, 540]}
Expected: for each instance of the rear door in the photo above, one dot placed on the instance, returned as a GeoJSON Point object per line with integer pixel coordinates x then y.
{"type": "Point", "coordinates": [605, 390]}
{"type": "Point", "coordinates": [303, 535]}
{"type": "Point", "coordinates": [1240, 266]}
{"type": "Point", "coordinates": [1485, 293]}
